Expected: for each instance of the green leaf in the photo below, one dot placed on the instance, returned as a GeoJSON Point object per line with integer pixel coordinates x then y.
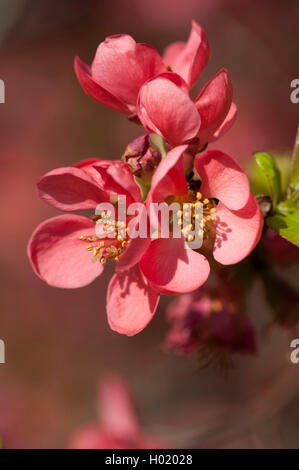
{"type": "Point", "coordinates": [258, 180]}
{"type": "Point", "coordinates": [295, 163]}
{"type": "Point", "coordinates": [286, 221]}
{"type": "Point", "coordinates": [268, 166]}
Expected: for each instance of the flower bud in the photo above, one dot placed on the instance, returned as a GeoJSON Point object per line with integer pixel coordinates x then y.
{"type": "Point", "coordinates": [141, 157]}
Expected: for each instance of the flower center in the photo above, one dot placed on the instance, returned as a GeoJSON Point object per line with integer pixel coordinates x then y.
{"type": "Point", "coordinates": [194, 214]}
{"type": "Point", "coordinates": [113, 242]}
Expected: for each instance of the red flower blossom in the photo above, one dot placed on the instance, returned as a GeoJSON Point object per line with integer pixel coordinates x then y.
{"type": "Point", "coordinates": [231, 226]}
{"type": "Point", "coordinates": [120, 67]}
{"type": "Point", "coordinates": [61, 249]}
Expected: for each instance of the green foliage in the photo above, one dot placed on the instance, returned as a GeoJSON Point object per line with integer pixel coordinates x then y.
{"type": "Point", "coordinates": [280, 181]}
{"type": "Point", "coordinates": [271, 171]}
{"type": "Point", "coordinates": [286, 221]}
{"type": "Point", "coordinates": [258, 180]}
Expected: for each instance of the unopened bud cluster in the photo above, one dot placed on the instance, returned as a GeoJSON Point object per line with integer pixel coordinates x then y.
{"type": "Point", "coordinates": [141, 157]}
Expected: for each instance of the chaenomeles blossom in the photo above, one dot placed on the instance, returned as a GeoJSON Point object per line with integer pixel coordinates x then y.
{"type": "Point", "coordinates": [66, 252]}
{"type": "Point", "coordinates": [121, 66]}
{"type": "Point", "coordinates": [210, 323]}
{"type": "Point", "coordinates": [165, 108]}
{"type": "Point", "coordinates": [230, 228]}
{"type": "Point", "coordinates": [118, 426]}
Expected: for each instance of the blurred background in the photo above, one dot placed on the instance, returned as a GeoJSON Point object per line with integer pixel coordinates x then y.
{"type": "Point", "coordinates": [58, 343]}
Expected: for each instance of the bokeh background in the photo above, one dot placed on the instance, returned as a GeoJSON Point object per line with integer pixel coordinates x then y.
{"type": "Point", "coordinates": [58, 342]}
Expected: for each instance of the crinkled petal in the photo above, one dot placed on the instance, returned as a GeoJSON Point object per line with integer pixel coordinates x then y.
{"type": "Point", "coordinates": [213, 104]}
{"type": "Point", "coordinates": [165, 109]}
{"type": "Point", "coordinates": [57, 255]}
{"type": "Point", "coordinates": [222, 178]}
{"type": "Point", "coordinates": [96, 91]}
{"type": "Point", "coordinates": [118, 179]}
{"type": "Point", "coordinates": [237, 232]}
{"type": "Point", "coordinates": [121, 66]}
{"type": "Point", "coordinates": [174, 268]}
{"type": "Point", "coordinates": [70, 189]}
{"type": "Point", "coordinates": [131, 302]}
{"type": "Point", "coordinates": [88, 166]}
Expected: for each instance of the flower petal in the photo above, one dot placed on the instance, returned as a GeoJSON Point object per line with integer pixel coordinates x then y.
{"type": "Point", "coordinates": [118, 179]}
{"type": "Point", "coordinates": [88, 166]}
{"type": "Point", "coordinates": [131, 302]}
{"type": "Point", "coordinates": [117, 410]}
{"type": "Point", "coordinates": [95, 91]}
{"type": "Point", "coordinates": [188, 60]}
{"type": "Point", "coordinates": [237, 232]}
{"type": "Point", "coordinates": [57, 255]}
{"type": "Point", "coordinates": [172, 54]}
{"type": "Point", "coordinates": [132, 254]}
{"type": "Point", "coordinates": [213, 104]}
{"type": "Point", "coordinates": [165, 109]}
{"type": "Point", "coordinates": [70, 189]}
{"type": "Point", "coordinates": [169, 178]}
{"type": "Point", "coordinates": [222, 178]}
{"type": "Point", "coordinates": [172, 267]}
{"type": "Point", "coordinates": [121, 66]}
{"type": "Point", "coordinates": [227, 123]}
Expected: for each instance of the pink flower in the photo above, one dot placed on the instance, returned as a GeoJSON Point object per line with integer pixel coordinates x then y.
{"type": "Point", "coordinates": [121, 66]}
{"type": "Point", "coordinates": [210, 323]}
{"type": "Point", "coordinates": [118, 426]}
{"type": "Point", "coordinates": [230, 229]}
{"type": "Point", "coordinates": [65, 252]}
{"type": "Point", "coordinates": [165, 108]}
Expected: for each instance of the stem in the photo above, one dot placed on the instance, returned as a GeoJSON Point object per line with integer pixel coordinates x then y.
{"type": "Point", "coordinates": [158, 142]}
{"type": "Point", "coordinates": [295, 162]}
{"type": "Point", "coordinates": [144, 187]}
